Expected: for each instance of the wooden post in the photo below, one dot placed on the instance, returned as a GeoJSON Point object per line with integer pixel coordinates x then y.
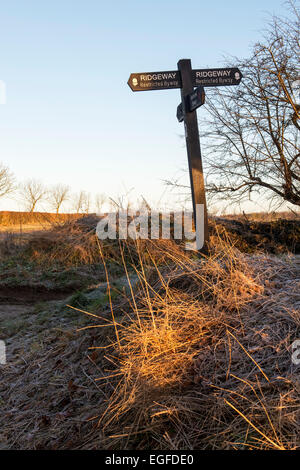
{"type": "Point", "coordinates": [193, 145]}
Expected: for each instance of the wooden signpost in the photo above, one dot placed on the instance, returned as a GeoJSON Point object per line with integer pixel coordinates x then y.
{"type": "Point", "coordinates": [186, 79]}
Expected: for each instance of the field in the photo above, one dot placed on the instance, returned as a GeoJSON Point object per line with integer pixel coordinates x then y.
{"type": "Point", "coordinates": [143, 345]}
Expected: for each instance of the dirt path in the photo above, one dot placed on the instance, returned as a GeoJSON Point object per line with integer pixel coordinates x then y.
{"type": "Point", "coordinates": [13, 311]}
{"type": "Point", "coordinates": [26, 295]}
{"type": "Point", "coordinates": [46, 364]}
{"type": "Point", "coordinates": [47, 390]}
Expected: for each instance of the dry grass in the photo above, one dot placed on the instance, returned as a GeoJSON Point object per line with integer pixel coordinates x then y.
{"type": "Point", "coordinates": [265, 216]}
{"type": "Point", "coordinates": [52, 238]}
{"type": "Point", "coordinates": [72, 242]}
{"type": "Point", "coordinates": [47, 389]}
{"type": "Point", "coordinates": [198, 357]}
{"type": "Point", "coordinates": [203, 358]}
{"type": "Point", "coordinates": [67, 243]}
{"type": "Point", "coordinates": [15, 218]}
{"type": "Point", "coordinates": [75, 243]}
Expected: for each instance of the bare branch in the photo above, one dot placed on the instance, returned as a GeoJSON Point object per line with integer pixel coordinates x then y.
{"type": "Point", "coordinates": [57, 195]}
{"type": "Point", "coordinates": [7, 183]}
{"type": "Point", "coordinates": [251, 135]}
{"type": "Point", "coordinates": [32, 192]}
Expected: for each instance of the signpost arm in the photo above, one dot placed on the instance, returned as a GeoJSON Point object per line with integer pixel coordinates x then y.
{"type": "Point", "coordinates": [193, 144]}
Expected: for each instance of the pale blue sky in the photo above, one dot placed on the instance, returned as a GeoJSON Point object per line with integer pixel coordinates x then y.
{"type": "Point", "coordinates": [70, 116]}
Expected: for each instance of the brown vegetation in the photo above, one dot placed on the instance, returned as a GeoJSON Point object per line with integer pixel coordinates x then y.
{"type": "Point", "coordinates": [198, 355]}
{"type": "Point", "coordinates": [15, 218]}
{"type": "Point", "coordinates": [203, 358]}
{"type": "Point", "coordinates": [256, 234]}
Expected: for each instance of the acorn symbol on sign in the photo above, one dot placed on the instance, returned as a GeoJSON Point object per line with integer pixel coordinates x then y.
{"type": "Point", "coordinates": [134, 82]}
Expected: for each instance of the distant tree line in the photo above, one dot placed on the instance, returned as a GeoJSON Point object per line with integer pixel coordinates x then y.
{"type": "Point", "coordinates": [32, 194]}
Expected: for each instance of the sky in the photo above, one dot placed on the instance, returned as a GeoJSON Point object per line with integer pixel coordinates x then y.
{"type": "Point", "coordinates": [70, 116]}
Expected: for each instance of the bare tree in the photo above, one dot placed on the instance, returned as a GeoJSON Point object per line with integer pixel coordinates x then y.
{"type": "Point", "coordinates": [81, 202]}
{"type": "Point", "coordinates": [7, 182]}
{"type": "Point", "coordinates": [144, 205]}
{"type": "Point", "coordinates": [100, 199]}
{"type": "Point", "coordinates": [57, 195]}
{"type": "Point", "coordinates": [251, 136]}
{"type": "Point", "coordinates": [122, 202]}
{"type": "Point", "coordinates": [32, 192]}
